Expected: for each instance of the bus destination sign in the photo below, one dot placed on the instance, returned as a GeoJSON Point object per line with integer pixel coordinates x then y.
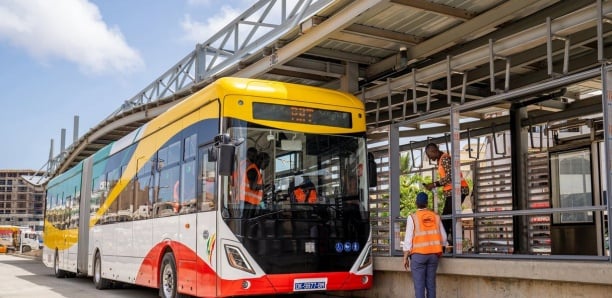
{"type": "Point", "coordinates": [305, 115]}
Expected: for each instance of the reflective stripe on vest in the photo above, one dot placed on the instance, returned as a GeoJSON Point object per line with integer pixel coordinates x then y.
{"type": "Point", "coordinates": [426, 238]}
{"type": "Point", "coordinates": [250, 195]}
{"type": "Point", "coordinates": [442, 173]}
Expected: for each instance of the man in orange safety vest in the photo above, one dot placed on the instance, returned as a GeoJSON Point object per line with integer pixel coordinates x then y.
{"type": "Point", "coordinates": [423, 246]}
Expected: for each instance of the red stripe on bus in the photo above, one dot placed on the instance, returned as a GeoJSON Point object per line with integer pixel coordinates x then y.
{"type": "Point", "coordinates": [196, 277]}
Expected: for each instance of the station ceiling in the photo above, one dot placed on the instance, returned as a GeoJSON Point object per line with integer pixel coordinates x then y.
{"type": "Point", "coordinates": [393, 54]}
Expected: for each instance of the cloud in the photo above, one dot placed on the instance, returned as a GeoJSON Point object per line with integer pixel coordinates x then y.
{"type": "Point", "coordinates": [71, 30]}
{"type": "Point", "coordinates": [199, 32]}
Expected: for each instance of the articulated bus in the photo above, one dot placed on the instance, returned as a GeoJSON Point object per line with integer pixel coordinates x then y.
{"type": "Point", "coordinates": [165, 206]}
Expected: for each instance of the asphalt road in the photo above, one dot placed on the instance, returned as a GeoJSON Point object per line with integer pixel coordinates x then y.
{"type": "Point", "coordinates": [28, 277]}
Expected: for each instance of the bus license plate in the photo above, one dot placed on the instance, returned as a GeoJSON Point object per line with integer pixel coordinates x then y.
{"type": "Point", "coordinates": [309, 284]}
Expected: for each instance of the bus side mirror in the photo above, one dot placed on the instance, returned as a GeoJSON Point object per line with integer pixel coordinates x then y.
{"type": "Point", "coordinates": [226, 159]}
{"type": "Point", "coordinates": [372, 174]}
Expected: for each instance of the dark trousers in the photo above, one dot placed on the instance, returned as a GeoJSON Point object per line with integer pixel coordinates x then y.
{"type": "Point", "coordinates": [424, 269]}
{"type": "Point", "coordinates": [448, 209]}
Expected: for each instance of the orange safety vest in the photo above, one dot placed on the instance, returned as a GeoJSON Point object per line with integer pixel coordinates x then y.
{"type": "Point", "coordinates": [302, 195]}
{"type": "Point", "coordinates": [427, 238]}
{"type": "Point", "coordinates": [248, 194]}
{"type": "Point", "coordinates": [448, 186]}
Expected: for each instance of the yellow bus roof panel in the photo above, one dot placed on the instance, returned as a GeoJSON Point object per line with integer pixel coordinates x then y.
{"type": "Point", "coordinates": [241, 93]}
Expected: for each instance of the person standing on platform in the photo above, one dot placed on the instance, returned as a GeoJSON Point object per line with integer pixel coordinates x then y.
{"type": "Point", "coordinates": [445, 181]}
{"type": "Point", "coordinates": [423, 246]}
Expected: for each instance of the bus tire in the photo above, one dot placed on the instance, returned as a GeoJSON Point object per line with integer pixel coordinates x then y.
{"type": "Point", "coordinates": [100, 282]}
{"type": "Point", "coordinates": [26, 248]}
{"type": "Point", "coordinates": [59, 273]}
{"type": "Point", "coordinates": [167, 277]}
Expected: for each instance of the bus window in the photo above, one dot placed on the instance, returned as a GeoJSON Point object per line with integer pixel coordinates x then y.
{"type": "Point", "coordinates": [125, 200]}
{"type": "Point", "coordinates": [112, 179]}
{"type": "Point", "coordinates": [190, 146]}
{"type": "Point", "coordinates": [143, 196]}
{"type": "Point", "coordinates": [98, 194]}
{"type": "Point", "coordinates": [168, 199]}
{"type": "Point", "coordinates": [187, 185]}
{"type": "Point", "coordinates": [208, 181]}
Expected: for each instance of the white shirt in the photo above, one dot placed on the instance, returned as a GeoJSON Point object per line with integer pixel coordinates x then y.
{"type": "Point", "coordinates": [410, 234]}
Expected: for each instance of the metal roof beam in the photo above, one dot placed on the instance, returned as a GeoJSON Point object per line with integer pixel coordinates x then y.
{"type": "Point", "coordinates": [371, 33]}
{"type": "Point", "coordinates": [511, 45]}
{"type": "Point", "coordinates": [437, 8]}
{"type": "Point", "coordinates": [342, 56]}
{"type": "Point", "coordinates": [377, 33]}
{"type": "Point", "coordinates": [301, 73]}
{"type": "Point", "coordinates": [482, 23]}
{"type": "Point", "coordinates": [366, 41]}
{"type": "Point", "coordinates": [350, 14]}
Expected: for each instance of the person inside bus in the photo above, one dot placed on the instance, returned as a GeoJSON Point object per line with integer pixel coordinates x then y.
{"type": "Point", "coordinates": [263, 161]}
{"type": "Point", "coordinates": [304, 191]}
{"type": "Point", "coordinates": [254, 184]}
{"type": "Point", "coordinates": [251, 157]}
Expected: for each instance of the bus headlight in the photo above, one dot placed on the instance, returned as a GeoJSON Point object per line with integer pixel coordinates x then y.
{"type": "Point", "coordinates": [237, 260]}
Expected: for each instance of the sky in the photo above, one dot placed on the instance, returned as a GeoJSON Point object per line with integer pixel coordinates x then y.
{"type": "Point", "coordinates": [65, 58]}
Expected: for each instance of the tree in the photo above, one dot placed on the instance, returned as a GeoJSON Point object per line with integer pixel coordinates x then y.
{"type": "Point", "coordinates": [411, 185]}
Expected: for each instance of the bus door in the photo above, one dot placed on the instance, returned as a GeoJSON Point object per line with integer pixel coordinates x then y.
{"type": "Point", "coordinates": [206, 234]}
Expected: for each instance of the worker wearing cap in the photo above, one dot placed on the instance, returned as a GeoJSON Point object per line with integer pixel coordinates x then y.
{"type": "Point", "coordinates": [423, 244]}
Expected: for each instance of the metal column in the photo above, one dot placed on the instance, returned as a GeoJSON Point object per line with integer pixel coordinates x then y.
{"type": "Point", "coordinates": [606, 78]}
{"type": "Point", "coordinates": [394, 184]}
{"type": "Point", "coordinates": [518, 153]}
{"type": "Point", "coordinates": [456, 177]}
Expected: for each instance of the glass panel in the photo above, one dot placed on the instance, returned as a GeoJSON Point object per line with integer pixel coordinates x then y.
{"type": "Point", "coordinates": [111, 212]}
{"type": "Point", "coordinates": [188, 185]}
{"type": "Point", "coordinates": [190, 146]}
{"type": "Point", "coordinates": [571, 178]}
{"type": "Point", "coordinates": [303, 168]}
{"type": "Point", "coordinates": [174, 153]}
{"type": "Point", "coordinates": [144, 197]}
{"type": "Point", "coordinates": [168, 198]}
{"type": "Point", "coordinates": [208, 182]}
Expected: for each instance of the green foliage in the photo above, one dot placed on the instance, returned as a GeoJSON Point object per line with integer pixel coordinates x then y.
{"type": "Point", "coordinates": [411, 185]}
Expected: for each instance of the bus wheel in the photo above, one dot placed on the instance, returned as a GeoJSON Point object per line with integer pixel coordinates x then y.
{"type": "Point", "coordinates": [26, 248]}
{"type": "Point", "coordinates": [59, 273]}
{"type": "Point", "coordinates": [100, 282]}
{"type": "Point", "coordinates": [167, 277]}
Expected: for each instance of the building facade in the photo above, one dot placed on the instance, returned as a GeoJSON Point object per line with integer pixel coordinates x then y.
{"type": "Point", "coordinates": [21, 202]}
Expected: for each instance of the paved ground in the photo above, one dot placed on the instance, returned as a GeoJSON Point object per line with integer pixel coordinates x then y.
{"type": "Point", "coordinates": [26, 276]}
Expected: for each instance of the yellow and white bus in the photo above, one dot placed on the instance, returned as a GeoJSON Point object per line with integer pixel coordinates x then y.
{"type": "Point", "coordinates": [164, 206]}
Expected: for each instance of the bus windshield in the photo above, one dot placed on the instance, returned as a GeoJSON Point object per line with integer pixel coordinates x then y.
{"type": "Point", "coordinates": [289, 185]}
